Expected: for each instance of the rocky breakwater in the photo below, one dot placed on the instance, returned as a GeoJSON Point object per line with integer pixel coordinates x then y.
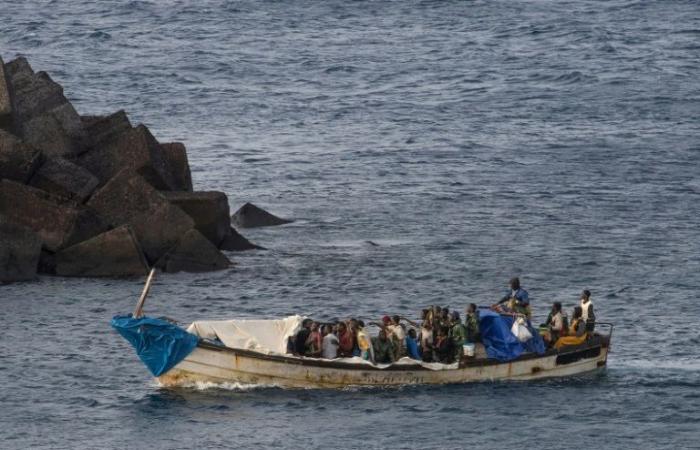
{"type": "Point", "coordinates": [94, 195]}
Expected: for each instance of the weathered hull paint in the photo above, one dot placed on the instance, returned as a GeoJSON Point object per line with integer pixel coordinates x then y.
{"type": "Point", "coordinates": [206, 365]}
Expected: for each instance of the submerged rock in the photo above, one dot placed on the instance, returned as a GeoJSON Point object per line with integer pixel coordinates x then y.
{"type": "Point", "coordinates": [114, 253]}
{"type": "Point", "coordinates": [193, 253]}
{"type": "Point", "coordinates": [20, 248]}
{"type": "Point", "coordinates": [235, 242]}
{"type": "Point", "coordinates": [250, 216]}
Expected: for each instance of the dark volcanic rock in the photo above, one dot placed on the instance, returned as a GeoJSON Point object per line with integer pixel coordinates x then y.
{"type": "Point", "coordinates": [42, 115]}
{"type": "Point", "coordinates": [237, 243]}
{"type": "Point", "coordinates": [18, 161]}
{"type": "Point", "coordinates": [127, 199]}
{"type": "Point", "coordinates": [62, 177]}
{"type": "Point", "coordinates": [208, 209]}
{"type": "Point", "coordinates": [19, 252]}
{"type": "Point", "coordinates": [57, 221]}
{"type": "Point", "coordinates": [250, 216]}
{"type": "Point", "coordinates": [115, 253]}
{"type": "Point", "coordinates": [134, 149]}
{"type": "Point", "coordinates": [176, 157]}
{"type": "Point", "coordinates": [194, 253]}
{"type": "Point", "coordinates": [5, 100]}
{"type": "Point", "coordinates": [102, 129]}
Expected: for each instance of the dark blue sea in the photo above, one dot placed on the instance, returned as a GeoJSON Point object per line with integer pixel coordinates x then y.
{"type": "Point", "coordinates": [471, 140]}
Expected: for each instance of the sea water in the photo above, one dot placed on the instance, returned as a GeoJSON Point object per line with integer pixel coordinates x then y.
{"type": "Point", "coordinates": [471, 140]}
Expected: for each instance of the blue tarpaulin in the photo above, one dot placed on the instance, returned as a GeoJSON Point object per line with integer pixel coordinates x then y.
{"type": "Point", "coordinates": [159, 344]}
{"type": "Point", "coordinates": [500, 342]}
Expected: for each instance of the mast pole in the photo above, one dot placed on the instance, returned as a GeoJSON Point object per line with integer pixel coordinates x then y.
{"type": "Point", "coordinates": [138, 312]}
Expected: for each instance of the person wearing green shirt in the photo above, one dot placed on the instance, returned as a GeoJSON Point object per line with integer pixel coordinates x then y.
{"type": "Point", "coordinates": [458, 335]}
{"type": "Point", "coordinates": [471, 322]}
{"type": "Point", "coordinates": [383, 348]}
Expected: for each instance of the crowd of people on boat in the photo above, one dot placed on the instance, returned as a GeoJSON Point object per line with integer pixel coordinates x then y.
{"type": "Point", "coordinates": [440, 335]}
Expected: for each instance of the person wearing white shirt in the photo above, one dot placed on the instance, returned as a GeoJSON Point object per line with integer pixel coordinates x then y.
{"type": "Point", "coordinates": [587, 308]}
{"type": "Point", "coordinates": [330, 343]}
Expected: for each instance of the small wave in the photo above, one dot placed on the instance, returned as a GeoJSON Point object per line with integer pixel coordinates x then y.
{"type": "Point", "coordinates": [689, 365]}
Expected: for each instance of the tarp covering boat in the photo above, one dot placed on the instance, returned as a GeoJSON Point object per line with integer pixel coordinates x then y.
{"type": "Point", "coordinates": [159, 344]}
{"type": "Point", "coordinates": [500, 342]}
{"type": "Point", "coordinates": [263, 336]}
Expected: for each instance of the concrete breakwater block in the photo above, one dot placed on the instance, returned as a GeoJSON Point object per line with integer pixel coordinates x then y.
{"type": "Point", "coordinates": [127, 199]}
{"type": "Point", "coordinates": [193, 253]}
{"type": "Point", "coordinates": [58, 222]}
{"type": "Point", "coordinates": [18, 161]}
{"type": "Point", "coordinates": [61, 177]}
{"type": "Point", "coordinates": [95, 196]}
{"type": "Point", "coordinates": [20, 248]}
{"type": "Point", "coordinates": [208, 209]}
{"type": "Point", "coordinates": [114, 253]}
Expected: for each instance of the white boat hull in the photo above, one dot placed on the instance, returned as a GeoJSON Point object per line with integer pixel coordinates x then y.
{"type": "Point", "coordinates": [211, 364]}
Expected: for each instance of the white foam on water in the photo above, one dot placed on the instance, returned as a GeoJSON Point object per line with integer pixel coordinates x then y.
{"type": "Point", "coordinates": [680, 364]}
{"type": "Point", "coordinates": [225, 386]}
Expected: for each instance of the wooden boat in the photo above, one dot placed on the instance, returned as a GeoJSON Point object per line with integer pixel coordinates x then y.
{"type": "Point", "coordinates": [219, 364]}
{"type": "Point", "coordinates": [212, 362]}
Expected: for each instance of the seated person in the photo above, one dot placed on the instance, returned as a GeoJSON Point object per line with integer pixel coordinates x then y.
{"type": "Point", "coordinates": [364, 343]}
{"type": "Point", "coordinates": [383, 348]}
{"type": "Point", "coordinates": [412, 345]}
{"type": "Point", "coordinates": [301, 337]}
{"type": "Point", "coordinates": [330, 343]}
{"type": "Point", "coordinates": [442, 350]}
{"type": "Point", "coordinates": [554, 324]}
{"type": "Point", "coordinates": [426, 341]}
{"type": "Point", "coordinates": [577, 331]}
{"type": "Point", "coordinates": [397, 333]}
{"type": "Point", "coordinates": [313, 346]}
{"type": "Point", "coordinates": [346, 339]}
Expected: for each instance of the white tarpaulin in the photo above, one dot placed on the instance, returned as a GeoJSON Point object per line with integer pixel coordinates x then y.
{"type": "Point", "coordinates": [264, 336]}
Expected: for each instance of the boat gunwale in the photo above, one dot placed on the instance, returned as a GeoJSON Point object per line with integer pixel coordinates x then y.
{"type": "Point", "coordinates": [331, 364]}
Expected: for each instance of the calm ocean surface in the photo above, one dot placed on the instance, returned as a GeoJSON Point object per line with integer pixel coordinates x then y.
{"type": "Point", "coordinates": [472, 140]}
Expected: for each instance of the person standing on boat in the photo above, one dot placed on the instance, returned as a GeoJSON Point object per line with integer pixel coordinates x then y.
{"type": "Point", "coordinates": [587, 310]}
{"type": "Point", "coordinates": [458, 335]}
{"type": "Point", "coordinates": [471, 322]}
{"type": "Point", "coordinates": [516, 300]}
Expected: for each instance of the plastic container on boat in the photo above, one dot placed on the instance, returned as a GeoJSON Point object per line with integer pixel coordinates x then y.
{"type": "Point", "coordinates": [468, 349]}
